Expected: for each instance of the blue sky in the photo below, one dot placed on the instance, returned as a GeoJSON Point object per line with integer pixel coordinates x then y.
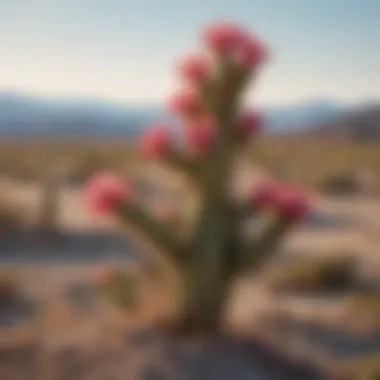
{"type": "Point", "coordinates": [125, 50]}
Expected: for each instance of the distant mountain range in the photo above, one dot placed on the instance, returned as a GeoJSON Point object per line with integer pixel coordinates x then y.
{"type": "Point", "coordinates": [23, 117]}
{"type": "Point", "coordinates": [359, 126]}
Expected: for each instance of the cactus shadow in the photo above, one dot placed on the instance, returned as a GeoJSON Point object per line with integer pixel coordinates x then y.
{"type": "Point", "coordinates": [64, 247]}
{"type": "Point", "coordinates": [322, 220]}
{"type": "Point", "coordinates": [332, 341]}
{"type": "Point", "coordinates": [17, 310]}
{"type": "Point", "coordinates": [223, 357]}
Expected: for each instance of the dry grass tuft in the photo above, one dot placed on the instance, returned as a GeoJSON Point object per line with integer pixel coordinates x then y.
{"type": "Point", "coordinates": [313, 275]}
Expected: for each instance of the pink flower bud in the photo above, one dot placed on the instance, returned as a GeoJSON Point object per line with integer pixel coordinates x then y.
{"type": "Point", "coordinates": [186, 103]}
{"type": "Point", "coordinates": [251, 53]}
{"type": "Point", "coordinates": [250, 123]}
{"type": "Point", "coordinates": [293, 206]}
{"type": "Point", "coordinates": [200, 135]}
{"type": "Point", "coordinates": [267, 194]}
{"type": "Point", "coordinates": [105, 193]}
{"type": "Point", "coordinates": [222, 38]}
{"type": "Point", "coordinates": [194, 69]}
{"type": "Point", "coordinates": [156, 143]}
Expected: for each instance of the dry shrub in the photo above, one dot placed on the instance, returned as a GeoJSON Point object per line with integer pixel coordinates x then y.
{"type": "Point", "coordinates": [364, 310]}
{"type": "Point", "coordinates": [313, 275]}
{"type": "Point", "coordinates": [12, 216]}
{"type": "Point", "coordinates": [119, 287]}
{"type": "Point", "coordinates": [368, 368]}
{"type": "Point", "coordinates": [369, 302]}
{"type": "Point", "coordinates": [350, 182]}
{"type": "Point", "coordinates": [311, 161]}
{"type": "Point", "coordinates": [8, 288]}
{"type": "Point", "coordinates": [314, 160]}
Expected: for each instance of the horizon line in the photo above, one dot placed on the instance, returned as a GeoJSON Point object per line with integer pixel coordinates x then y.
{"type": "Point", "coordinates": [37, 95]}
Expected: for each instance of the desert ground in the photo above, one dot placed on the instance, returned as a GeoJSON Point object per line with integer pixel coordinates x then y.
{"type": "Point", "coordinates": [65, 324]}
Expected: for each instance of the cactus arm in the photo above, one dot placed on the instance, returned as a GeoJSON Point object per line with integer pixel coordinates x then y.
{"type": "Point", "coordinates": [158, 233]}
{"type": "Point", "coordinates": [255, 253]}
{"type": "Point", "coordinates": [246, 209]}
{"type": "Point", "coordinates": [185, 164]}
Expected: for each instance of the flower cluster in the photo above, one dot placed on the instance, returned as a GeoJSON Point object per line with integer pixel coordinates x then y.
{"type": "Point", "coordinates": [223, 41]}
{"type": "Point", "coordinates": [105, 192]}
{"type": "Point", "coordinates": [289, 203]}
{"type": "Point", "coordinates": [200, 131]}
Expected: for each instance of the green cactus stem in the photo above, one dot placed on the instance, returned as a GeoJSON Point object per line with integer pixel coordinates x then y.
{"type": "Point", "coordinates": [188, 166]}
{"type": "Point", "coordinates": [256, 252]}
{"type": "Point", "coordinates": [155, 231]}
{"type": "Point", "coordinates": [216, 251]}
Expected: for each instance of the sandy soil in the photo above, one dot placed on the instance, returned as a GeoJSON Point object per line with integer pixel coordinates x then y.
{"type": "Point", "coordinates": [63, 326]}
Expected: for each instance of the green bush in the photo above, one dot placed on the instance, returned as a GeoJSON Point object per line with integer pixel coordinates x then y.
{"type": "Point", "coordinates": [328, 274]}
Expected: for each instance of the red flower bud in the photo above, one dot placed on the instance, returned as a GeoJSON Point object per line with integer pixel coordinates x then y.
{"type": "Point", "coordinates": [105, 193]}
{"type": "Point", "coordinates": [186, 103]}
{"type": "Point", "coordinates": [194, 69]}
{"type": "Point", "coordinates": [293, 206]}
{"type": "Point", "coordinates": [251, 53]}
{"type": "Point", "coordinates": [267, 194]}
{"type": "Point", "coordinates": [200, 135]}
{"type": "Point", "coordinates": [223, 38]}
{"type": "Point", "coordinates": [250, 123]}
{"type": "Point", "coordinates": [156, 143]}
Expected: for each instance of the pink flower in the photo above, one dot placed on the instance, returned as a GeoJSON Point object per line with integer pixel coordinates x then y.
{"type": "Point", "coordinates": [223, 38]}
{"type": "Point", "coordinates": [105, 193]}
{"type": "Point", "coordinates": [267, 194]}
{"type": "Point", "coordinates": [200, 135]}
{"type": "Point", "coordinates": [251, 53]}
{"type": "Point", "coordinates": [293, 205]}
{"type": "Point", "coordinates": [156, 143]}
{"type": "Point", "coordinates": [186, 103]}
{"type": "Point", "coordinates": [194, 69]}
{"type": "Point", "coordinates": [250, 123]}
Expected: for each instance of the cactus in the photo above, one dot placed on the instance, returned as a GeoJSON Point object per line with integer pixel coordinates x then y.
{"type": "Point", "coordinates": [216, 128]}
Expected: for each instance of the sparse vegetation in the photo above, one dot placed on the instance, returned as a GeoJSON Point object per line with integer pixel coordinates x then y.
{"type": "Point", "coordinates": [12, 216]}
{"type": "Point", "coordinates": [311, 162]}
{"type": "Point", "coordinates": [364, 308]}
{"type": "Point", "coordinates": [362, 302]}
{"type": "Point", "coordinates": [120, 288]}
{"type": "Point", "coordinates": [8, 288]}
{"type": "Point", "coordinates": [313, 275]}
{"type": "Point", "coordinates": [368, 368]}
